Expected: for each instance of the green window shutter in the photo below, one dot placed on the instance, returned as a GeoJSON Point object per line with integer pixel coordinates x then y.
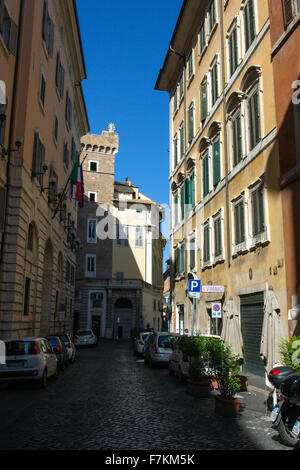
{"type": "Point", "coordinates": [206, 243]}
{"type": "Point", "coordinates": [254, 120]}
{"type": "Point", "coordinates": [205, 176]}
{"type": "Point", "coordinates": [190, 124]}
{"type": "Point", "coordinates": [249, 21]}
{"type": "Point", "coordinates": [187, 193]}
{"type": "Point", "coordinates": [214, 84]}
{"type": "Point", "coordinates": [192, 189]}
{"type": "Point", "coordinates": [203, 101]}
{"type": "Point", "coordinates": [175, 148]}
{"type": "Point", "coordinates": [233, 50]}
{"type": "Point", "coordinates": [216, 163]}
{"type": "Point", "coordinates": [181, 141]}
{"type": "Point", "coordinates": [239, 223]}
{"type": "Point", "coordinates": [258, 219]}
{"type": "Point", "coordinates": [182, 202]}
{"type": "Point", "coordinates": [218, 239]}
{"type": "Point", "coordinates": [176, 208]}
{"type": "Point", "coordinates": [237, 140]}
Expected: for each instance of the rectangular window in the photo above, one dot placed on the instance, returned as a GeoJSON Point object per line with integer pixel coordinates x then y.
{"type": "Point", "coordinates": [55, 129]}
{"type": "Point", "coordinates": [59, 76]}
{"type": "Point", "coordinates": [202, 38]}
{"type": "Point", "coordinates": [90, 270]}
{"type": "Point", "coordinates": [190, 66]}
{"type": "Point", "coordinates": [181, 133]}
{"type": "Point", "coordinates": [237, 141]}
{"type": "Point", "coordinates": [182, 202]}
{"type": "Point", "coordinates": [192, 253]}
{"type": "Point", "coordinates": [214, 83]}
{"type": "Point", "coordinates": [181, 87]}
{"type": "Point", "coordinates": [258, 218]}
{"type": "Point", "coordinates": [122, 234]}
{"type": "Point", "coordinates": [191, 123]}
{"type": "Point", "coordinates": [38, 158]}
{"type": "Point", "coordinates": [212, 15]}
{"type": "Point", "coordinates": [91, 231]}
{"type": "Point", "coordinates": [192, 189]}
{"type": "Point", "coordinates": [203, 101]}
{"type": "Point", "coordinates": [139, 237]}
{"type": "Point", "coordinates": [233, 51]}
{"type": "Point", "coordinates": [206, 243]}
{"type": "Point", "coordinates": [47, 30]}
{"type": "Point", "coordinates": [8, 30]}
{"type": "Point", "coordinates": [254, 119]}
{"type": "Point", "coordinates": [176, 209]}
{"type": "Point", "coordinates": [239, 222]}
{"type": "Point", "coordinates": [42, 90]}
{"type": "Point", "coordinates": [205, 175]}
{"type": "Point", "coordinates": [66, 155]}
{"type": "Point", "coordinates": [290, 9]}
{"type": "Point", "coordinates": [68, 113]}
{"type": "Point", "coordinates": [27, 296]}
{"type": "Point", "coordinates": [175, 147]}
{"type": "Point", "coordinates": [93, 165]}
{"type": "Point", "coordinates": [216, 162]}
{"type": "Point", "coordinates": [249, 23]}
{"type": "Point", "coordinates": [92, 196]}
{"type": "Point", "coordinates": [218, 236]}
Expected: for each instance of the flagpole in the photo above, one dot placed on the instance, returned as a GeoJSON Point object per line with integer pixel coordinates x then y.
{"type": "Point", "coordinates": [65, 188]}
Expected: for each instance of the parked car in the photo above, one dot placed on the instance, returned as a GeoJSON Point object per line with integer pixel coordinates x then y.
{"type": "Point", "coordinates": [60, 350]}
{"type": "Point", "coordinates": [179, 362]}
{"type": "Point", "coordinates": [158, 348]}
{"type": "Point", "coordinates": [71, 350]}
{"type": "Point", "coordinates": [139, 342]}
{"type": "Point", "coordinates": [85, 338]}
{"type": "Point", "coordinates": [29, 359]}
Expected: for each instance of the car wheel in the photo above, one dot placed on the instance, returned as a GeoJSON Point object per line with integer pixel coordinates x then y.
{"type": "Point", "coordinates": [42, 383]}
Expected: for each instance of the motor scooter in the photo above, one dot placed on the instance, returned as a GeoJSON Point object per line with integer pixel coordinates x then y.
{"type": "Point", "coordinates": [276, 376]}
{"type": "Point", "coordinates": [286, 413]}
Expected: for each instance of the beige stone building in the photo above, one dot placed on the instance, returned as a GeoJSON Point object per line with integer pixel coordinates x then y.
{"type": "Point", "coordinates": [42, 67]}
{"type": "Point", "coordinates": [226, 211]}
{"type": "Point", "coordinates": [119, 277]}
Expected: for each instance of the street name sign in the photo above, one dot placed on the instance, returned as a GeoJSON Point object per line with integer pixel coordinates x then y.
{"type": "Point", "coordinates": [213, 288]}
{"type": "Point", "coordinates": [216, 310]}
{"type": "Point", "coordinates": [194, 288]}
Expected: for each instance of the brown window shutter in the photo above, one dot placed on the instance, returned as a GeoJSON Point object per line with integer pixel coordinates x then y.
{"type": "Point", "coordinates": [288, 11]}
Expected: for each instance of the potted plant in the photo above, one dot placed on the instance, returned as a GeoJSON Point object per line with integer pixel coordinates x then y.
{"type": "Point", "coordinates": [200, 380]}
{"type": "Point", "coordinates": [290, 353]}
{"type": "Point", "coordinates": [226, 366]}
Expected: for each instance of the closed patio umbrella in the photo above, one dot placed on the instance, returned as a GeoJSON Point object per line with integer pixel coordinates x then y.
{"type": "Point", "coordinates": [231, 330]}
{"type": "Point", "coordinates": [272, 331]}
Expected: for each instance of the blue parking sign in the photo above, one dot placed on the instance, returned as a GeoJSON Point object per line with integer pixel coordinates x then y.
{"type": "Point", "coordinates": [194, 288]}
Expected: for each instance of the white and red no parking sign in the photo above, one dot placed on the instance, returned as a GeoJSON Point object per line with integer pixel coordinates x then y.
{"type": "Point", "coordinates": [216, 310]}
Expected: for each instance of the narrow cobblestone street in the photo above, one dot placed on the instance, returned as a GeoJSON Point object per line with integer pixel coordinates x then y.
{"type": "Point", "coordinates": [109, 400]}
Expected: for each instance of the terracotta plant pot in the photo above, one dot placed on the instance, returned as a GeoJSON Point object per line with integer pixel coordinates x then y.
{"type": "Point", "coordinates": [227, 407]}
{"type": "Point", "coordinates": [199, 387]}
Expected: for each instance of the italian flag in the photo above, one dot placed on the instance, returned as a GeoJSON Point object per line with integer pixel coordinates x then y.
{"type": "Point", "coordinates": [76, 177]}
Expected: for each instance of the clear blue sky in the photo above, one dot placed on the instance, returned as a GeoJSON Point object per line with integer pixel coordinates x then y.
{"type": "Point", "coordinates": [124, 45]}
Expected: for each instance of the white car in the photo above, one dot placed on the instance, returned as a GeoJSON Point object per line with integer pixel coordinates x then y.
{"type": "Point", "coordinates": [29, 359]}
{"type": "Point", "coordinates": [67, 339]}
{"type": "Point", "coordinates": [85, 337]}
{"type": "Point", "coordinates": [179, 362]}
{"type": "Point", "coordinates": [158, 348]}
{"type": "Point", "coordinates": [139, 342]}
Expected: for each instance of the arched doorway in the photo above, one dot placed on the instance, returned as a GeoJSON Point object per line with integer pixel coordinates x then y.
{"type": "Point", "coordinates": [46, 290]}
{"type": "Point", "coordinates": [122, 318]}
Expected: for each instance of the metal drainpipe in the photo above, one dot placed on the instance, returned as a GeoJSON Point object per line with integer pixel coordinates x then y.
{"type": "Point", "coordinates": [225, 132]}
{"type": "Point", "coordinates": [11, 125]}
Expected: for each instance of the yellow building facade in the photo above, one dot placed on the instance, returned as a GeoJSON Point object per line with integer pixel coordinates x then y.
{"type": "Point", "coordinates": [226, 217]}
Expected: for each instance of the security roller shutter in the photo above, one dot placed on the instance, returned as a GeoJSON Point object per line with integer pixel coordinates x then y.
{"type": "Point", "coordinates": [252, 315]}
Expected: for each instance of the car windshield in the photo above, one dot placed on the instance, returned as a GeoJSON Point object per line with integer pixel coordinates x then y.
{"type": "Point", "coordinates": [53, 341]}
{"type": "Point", "coordinates": [166, 341]}
{"type": "Point", "coordinates": [83, 333]}
{"type": "Point", "coordinates": [19, 348]}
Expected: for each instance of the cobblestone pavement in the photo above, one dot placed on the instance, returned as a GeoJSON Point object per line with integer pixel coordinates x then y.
{"type": "Point", "coordinates": [109, 400]}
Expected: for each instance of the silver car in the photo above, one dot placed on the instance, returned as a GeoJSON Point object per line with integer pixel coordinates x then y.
{"type": "Point", "coordinates": [139, 343]}
{"type": "Point", "coordinates": [158, 348]}
{"type": "Point", "coordinates": [67, 339]}
{"type": "Point", "coordinates": [85, 337]}
{"type": "Point", "coordinates": [29, 359]}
